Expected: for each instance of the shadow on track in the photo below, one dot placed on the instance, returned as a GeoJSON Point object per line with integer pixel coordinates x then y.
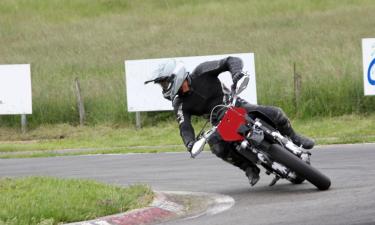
{"type": "Point", "coordinates": [304, 188]}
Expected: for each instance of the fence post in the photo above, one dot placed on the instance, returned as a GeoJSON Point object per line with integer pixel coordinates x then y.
{"type": "Point", "coordinates": [81, 107]}
{"type": "Point", "coordinates": [23, 123]}
{"type": "Point", "coordinates": [138, 120]}
{"type": "Point", "coordinates": [297, 87]}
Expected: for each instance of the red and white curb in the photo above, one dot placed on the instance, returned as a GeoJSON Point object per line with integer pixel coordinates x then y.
{"type": "Point", "coordinates": [162, 209]}
{"type": "Point", "coordinates": [214, 203]}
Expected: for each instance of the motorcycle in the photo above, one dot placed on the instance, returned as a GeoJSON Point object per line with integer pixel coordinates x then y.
{"type": "Point", "coordinates": [257, 140]}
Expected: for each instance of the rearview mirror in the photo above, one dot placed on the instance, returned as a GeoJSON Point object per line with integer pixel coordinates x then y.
{"type": "Point", "coordinates": [242, 84]}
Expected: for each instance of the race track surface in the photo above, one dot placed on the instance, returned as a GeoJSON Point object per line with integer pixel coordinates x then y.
{"type": "Point", "coordinates": [349, 201]}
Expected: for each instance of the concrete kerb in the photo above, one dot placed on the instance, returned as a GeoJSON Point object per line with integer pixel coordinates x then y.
{"type": "Point", "coordinates": [166, 206]}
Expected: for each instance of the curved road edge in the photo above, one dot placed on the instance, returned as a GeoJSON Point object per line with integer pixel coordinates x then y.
{"type": "Point", "coordinates": [169, 205]}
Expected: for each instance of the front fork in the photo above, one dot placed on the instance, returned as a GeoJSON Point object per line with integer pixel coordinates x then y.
{"type": "Point", "coordinates": [260, 158]}
{"type": "Point", "coordinates": [289, 145]}
{"type": "Point", "coordinates": [256, 137]}
{"type": "Point", "coordinates": [260, 130]}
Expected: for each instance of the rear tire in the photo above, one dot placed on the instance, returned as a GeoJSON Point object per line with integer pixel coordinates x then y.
{"type": "Point", "coordinates": [304, 170]}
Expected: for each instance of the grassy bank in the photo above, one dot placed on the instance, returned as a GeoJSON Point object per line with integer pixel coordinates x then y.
{"type": "Point", "coordinates": [163, 137]}
{"type": "Point", "coordinates": [43, 200]}
{"type": "Point", "coordinates": [90, 39]}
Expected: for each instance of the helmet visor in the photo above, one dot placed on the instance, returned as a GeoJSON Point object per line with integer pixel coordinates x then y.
{"type": "Point", "coordinates": [166, 83]}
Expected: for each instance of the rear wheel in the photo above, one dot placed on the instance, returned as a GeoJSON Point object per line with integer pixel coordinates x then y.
{"type": "Point", "coordinates": [303, 169]}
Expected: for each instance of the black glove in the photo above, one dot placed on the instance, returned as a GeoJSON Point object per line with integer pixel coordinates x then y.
{"type": "Point", "coordinates": [189, 146]}
{"type": "Point", "coordinates": [236, 78]}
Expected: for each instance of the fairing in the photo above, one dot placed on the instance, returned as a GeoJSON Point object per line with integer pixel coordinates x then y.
{"type": "Point", "coordinates": [232, 120]}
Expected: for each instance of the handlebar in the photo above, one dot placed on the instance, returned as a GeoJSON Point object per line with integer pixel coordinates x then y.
{"type": "Point", "coordinates": [199, 145]}
{"type": "Point", "coordinates": [203, 137]}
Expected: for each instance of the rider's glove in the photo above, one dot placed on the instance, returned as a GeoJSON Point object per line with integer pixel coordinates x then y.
{"type": "Point", "coordinates": [236, 78]}
{"type": "Point", "coordinates": [189, 146]}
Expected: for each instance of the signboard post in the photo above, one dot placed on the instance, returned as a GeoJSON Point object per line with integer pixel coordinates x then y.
{"type": "Point", "coordinates": [141, 98]}
{"type": "Point", "coordinates": [15, 91]}
{"type": "Point", "coordinates": [368, 51]}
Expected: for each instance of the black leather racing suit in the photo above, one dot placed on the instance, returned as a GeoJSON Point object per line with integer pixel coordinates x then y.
{"type": "Point", "coordinates": [206, 91]}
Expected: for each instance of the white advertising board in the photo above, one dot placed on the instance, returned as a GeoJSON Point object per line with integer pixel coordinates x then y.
{"type": "Point", "coordinates": [141, 97]}
{"type": "Point", "coordinates": [368, 51]}
{"type": "Point", "coordinates": [15, 89]}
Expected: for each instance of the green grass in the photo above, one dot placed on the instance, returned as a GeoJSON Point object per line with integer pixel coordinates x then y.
{"type": "Point", "coordinates": [90, 39]}
{"type": "Point", "coordinates": [47, 200]}
{"type": "Point", "coordinates": [66, 136]}
{"type": "Point", "coordinates": [162, 137]}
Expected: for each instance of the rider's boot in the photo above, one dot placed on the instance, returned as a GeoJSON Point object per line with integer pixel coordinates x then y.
{"type": "Point", "coordinates": [252, 173]}
{"type": "Point", "coordinates": [300, 140]}
{"type": "Point", "coordinates": [286, 129]}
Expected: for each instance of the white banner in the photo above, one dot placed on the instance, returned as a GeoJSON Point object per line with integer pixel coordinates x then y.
{"type": "Point", "coordinates": [15, 89]}
{"type": "Point", "coordinates": [141, 97]}
{"type": "Point", "coordinates": [368, 51]}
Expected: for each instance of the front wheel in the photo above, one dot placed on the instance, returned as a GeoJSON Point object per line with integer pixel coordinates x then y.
{"type": "Point", "coordinates": [297, 180]}
{"type": "Point", "coordinates": [304, 170]}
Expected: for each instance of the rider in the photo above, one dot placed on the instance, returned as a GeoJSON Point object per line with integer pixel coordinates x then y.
{"type": "Point", "coordinates": [197, 93]}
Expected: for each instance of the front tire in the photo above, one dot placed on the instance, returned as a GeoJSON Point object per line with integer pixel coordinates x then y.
{"type": "Point", "coordinates": [304, 170]}
{"type": "Point", "coordinates": [297, 180]}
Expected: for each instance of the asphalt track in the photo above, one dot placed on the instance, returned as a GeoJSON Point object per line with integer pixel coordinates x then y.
{"type": "Point", "coordinates": [349, 201]}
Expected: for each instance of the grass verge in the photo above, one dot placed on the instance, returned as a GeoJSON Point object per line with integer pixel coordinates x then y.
{"type": "Point", "coordinates": [90, 39]}
{"type": "Point", "coordinates": [163, 137]}
{"type": "Point", "coordinates": [46, 200]}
